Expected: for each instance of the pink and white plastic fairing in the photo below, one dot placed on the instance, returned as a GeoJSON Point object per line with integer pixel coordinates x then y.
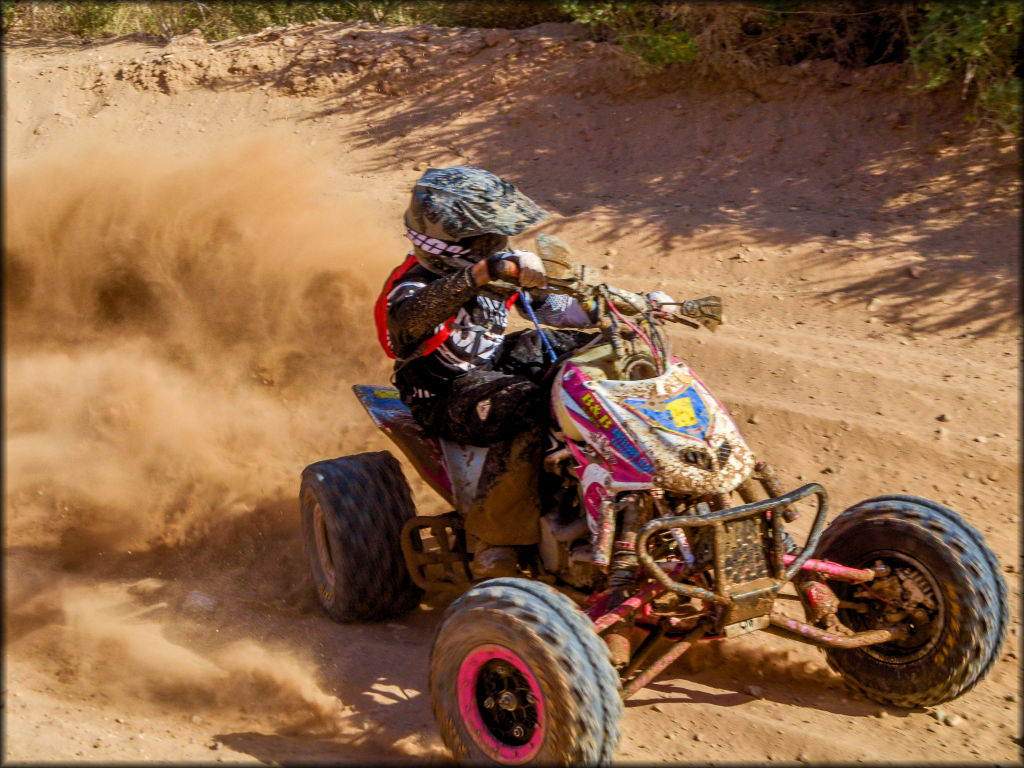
{"type": "Point", "coordinates": [666, 432]}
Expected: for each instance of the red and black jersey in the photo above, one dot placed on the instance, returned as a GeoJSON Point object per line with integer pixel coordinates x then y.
{"type": "Point", "coordinates": [438, 327]}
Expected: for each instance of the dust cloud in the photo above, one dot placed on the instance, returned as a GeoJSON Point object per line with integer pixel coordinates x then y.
{"type": "Point", "coordinates": [181, 333]}
{"type": "Point", "coordinates": [96, 640]}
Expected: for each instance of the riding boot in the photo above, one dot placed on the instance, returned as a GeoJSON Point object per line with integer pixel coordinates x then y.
{"type": "Point", "coordinates": [492, 562]}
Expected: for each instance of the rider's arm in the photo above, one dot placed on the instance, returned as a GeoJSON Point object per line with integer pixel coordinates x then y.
{"type": "Point", "coordinates": [559, 311]}
{"type": "Point", "coordinates": [555, 310]}
{"type": "Point", "coordinates": [416, 308]}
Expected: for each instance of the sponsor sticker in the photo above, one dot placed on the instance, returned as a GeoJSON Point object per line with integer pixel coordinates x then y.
{"type": "Point", "coordinates": [610, 431]}
{"type": "Point", "coordinates": [684, 412]}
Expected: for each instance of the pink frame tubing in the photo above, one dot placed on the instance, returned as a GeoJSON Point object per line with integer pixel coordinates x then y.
{"type": "Point", "coordinates": [833, 570]}
{"type": "Point", "coordinates": [604, 619]}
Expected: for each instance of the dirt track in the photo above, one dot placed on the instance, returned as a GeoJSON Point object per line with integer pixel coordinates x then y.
{"type": "Point", "coordinates": [194, 238]}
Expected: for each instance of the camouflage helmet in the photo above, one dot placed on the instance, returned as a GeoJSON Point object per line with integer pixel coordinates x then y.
{"type": "Point", "coordinates": [461, 214]}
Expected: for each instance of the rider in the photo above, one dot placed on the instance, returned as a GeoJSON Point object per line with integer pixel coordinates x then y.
{"type": "Point", "coordinates": [462, 378]}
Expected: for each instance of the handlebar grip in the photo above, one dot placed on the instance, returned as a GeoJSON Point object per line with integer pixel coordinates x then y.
{"type": "Point", "coordinates": [504, 287]}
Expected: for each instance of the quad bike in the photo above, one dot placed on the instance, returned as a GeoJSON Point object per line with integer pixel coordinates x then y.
{"type": "Point", "coordinates": [659, 529]}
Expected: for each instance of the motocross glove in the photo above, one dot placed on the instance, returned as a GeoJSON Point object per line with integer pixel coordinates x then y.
{"type": "Point", "coordinates": [531, 268]}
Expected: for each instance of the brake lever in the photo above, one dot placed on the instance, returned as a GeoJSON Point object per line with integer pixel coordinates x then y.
{"type": "Point", "coordinates": [680, 319]}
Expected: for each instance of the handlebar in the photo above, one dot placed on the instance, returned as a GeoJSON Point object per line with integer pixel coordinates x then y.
{"type": "Point", "coordinates": [585, 286]}
{"type": "Point", "coordinates": [612, 308]}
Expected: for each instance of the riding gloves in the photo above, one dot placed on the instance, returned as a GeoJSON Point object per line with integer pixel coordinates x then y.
{"type": "Point", "coordinates": [531, 268]}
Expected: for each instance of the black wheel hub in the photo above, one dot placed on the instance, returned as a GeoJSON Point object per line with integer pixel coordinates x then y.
{"type": "Point", "coordinates": [507, 706]}
{"type": "Point", "coordinates": [909, 597]}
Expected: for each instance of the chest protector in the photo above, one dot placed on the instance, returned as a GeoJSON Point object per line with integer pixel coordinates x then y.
{"type": "Point", "coordinates": [380, 314]}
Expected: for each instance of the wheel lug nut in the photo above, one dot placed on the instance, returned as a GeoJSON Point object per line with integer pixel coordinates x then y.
{"type": "Point", "coordinates": [518, 732]}
{"type": "Point", "coordinates": [488, 703]}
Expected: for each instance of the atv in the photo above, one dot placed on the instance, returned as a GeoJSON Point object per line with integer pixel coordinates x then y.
{"type": "Point", "coordinates": [660, 529]}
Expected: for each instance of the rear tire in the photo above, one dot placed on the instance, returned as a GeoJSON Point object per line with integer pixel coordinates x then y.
{"type": "Point", "coordinates": [353, 510]}
{"type": "Point", "coordinates": [531, 644]}
{"type": "Point", "coordinates": [949, 561]}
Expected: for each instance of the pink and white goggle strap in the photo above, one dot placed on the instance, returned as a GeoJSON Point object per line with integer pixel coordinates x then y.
{"type": "Point", "coordinates": [433, 245]}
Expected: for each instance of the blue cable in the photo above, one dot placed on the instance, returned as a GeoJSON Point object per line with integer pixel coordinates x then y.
{"type": "Point", "coordinates": [543, 337]}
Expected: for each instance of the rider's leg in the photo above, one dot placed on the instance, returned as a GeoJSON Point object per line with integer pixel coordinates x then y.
{"type": "Point", "coordinates": [506, 413]}
{"type": "Point", "coordinates": [485, 407]}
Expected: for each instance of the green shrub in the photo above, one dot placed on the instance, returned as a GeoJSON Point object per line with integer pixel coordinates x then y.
{"type": "Point", "coordinates": [648, 30]}
{"type": "Point", "coordinates": [731, 38]}
{"type": "Point", "coordinates": [660, 47]}
{"type": "Point", "coordinates": [476, 13]}
{"type": "Point", "coordinates": [8, 13]}
{"type": "Point", "coordinates": [90, 18]}
{"type": "Point", "coordinates": [976, 45]}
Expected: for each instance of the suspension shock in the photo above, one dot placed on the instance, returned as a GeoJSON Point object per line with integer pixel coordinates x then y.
{"type": "Point", "coordinates": [765, 472]}
{"type": "Point", "coordinates": [636, 512]}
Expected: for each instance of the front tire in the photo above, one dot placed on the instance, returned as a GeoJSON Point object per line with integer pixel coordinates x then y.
{"type": "Point", "coordinates": [353, 510]}
{"type": "Point", "coordinates": [941, 565]}
{"type": "Point", "coordinates": [518, 676]}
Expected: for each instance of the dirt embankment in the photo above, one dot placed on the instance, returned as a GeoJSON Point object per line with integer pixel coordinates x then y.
{"type": "Point", "coordinates": [194, 237]}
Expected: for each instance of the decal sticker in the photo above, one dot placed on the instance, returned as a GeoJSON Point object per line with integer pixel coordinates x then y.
{"type": "Point", "coordinates": [625, 446]}
{"type": "Point", "coordinates": [685, 413]}
{"type": "Point", "coordinates": [597, 414]}
{"type": "Point", "coordinates": [681, 410]}
{"type": "Point", "coordinates": [610, 431]}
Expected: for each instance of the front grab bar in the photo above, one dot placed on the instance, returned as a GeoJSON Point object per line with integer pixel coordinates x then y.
{"type": "Point", "coordinates": [716, 518]}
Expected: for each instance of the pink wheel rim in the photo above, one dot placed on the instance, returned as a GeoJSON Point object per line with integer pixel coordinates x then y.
{"type": "Point", "coordinates": [469, 678]}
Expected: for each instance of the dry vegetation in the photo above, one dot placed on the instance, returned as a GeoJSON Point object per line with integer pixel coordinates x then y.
{"type": "Point", "coordinates": [973, 46]}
